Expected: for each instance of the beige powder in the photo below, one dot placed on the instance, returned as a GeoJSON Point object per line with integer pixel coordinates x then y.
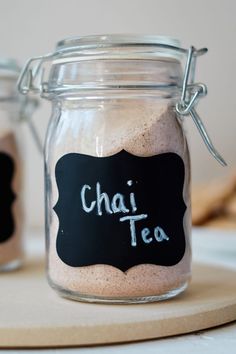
{"type": "Point", "coordinates": [144, 128]}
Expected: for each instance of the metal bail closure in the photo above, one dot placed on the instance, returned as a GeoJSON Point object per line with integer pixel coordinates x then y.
{"type": "Point", "coordinates": [191, 93]}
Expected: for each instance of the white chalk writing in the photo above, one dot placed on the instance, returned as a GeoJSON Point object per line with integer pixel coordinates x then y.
{"type": "Point", "coordinates": [118, 204]}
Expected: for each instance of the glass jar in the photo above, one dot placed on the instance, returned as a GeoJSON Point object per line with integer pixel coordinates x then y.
{"type": "Point", "coordinates": [14, 109]}
{"type": "Point", "coordinates": [117, 169]}
{"type": "Point", "coordinates": [11, 209]}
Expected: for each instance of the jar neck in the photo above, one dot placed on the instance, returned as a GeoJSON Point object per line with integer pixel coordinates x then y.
{"type": "Point", "coordinates": [163, 77]}
{"type": "Point", "coordinates": [10, 100]}
{"type": "Point", "coordinates": [8, 89]}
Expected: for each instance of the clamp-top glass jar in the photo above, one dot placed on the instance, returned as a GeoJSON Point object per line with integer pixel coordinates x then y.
{"type": "Point", "coordinates": [11, 221]}
{"type": "Point", "coordinates": [14, 109]}
{"type": "Point", "coordinates": [117, 170]}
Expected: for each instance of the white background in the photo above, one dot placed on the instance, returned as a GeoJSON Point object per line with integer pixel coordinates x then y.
{"type": "Point", "coordinates": [30, 28]}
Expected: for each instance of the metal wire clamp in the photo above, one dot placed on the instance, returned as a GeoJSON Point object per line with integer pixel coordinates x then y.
{"type": "Point", "coordinates": [191, 93]}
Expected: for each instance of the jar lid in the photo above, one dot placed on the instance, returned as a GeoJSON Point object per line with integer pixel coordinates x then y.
{"type": "Point", "coordinates": [115, 39]}
{"type": "Point", "coordinates": [129, 46]}
{"type": "Point", "coordinates": [103, 42]}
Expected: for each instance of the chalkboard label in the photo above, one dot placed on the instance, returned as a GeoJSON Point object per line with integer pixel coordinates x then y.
{"type": "Point", "coordinates": [7, 197]}
{"type": "Point", "coordinates": [122, 210]}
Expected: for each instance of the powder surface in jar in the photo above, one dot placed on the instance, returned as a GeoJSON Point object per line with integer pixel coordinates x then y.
{"type": "Point", "coordinates": [143, 128]}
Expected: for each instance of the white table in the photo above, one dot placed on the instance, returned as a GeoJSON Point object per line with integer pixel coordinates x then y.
{"type": "Point", "coordinates": [212, 247]}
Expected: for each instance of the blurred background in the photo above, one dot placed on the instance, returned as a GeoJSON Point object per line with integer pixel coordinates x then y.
{"type": "Point", "coordinates": [31, 28]}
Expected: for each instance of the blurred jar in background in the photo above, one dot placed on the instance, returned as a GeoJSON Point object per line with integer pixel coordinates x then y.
{"type": "Point", "coordinates": [12, 108]}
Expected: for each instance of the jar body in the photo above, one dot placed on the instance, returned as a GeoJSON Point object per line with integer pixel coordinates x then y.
{"type": "Point", "coordinates": [141, 126]}
{"type": "Point", "coordinates": [11, 235]}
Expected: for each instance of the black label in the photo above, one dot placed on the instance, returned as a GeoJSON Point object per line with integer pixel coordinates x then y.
{"type": "Point", "coordinates": [7, 197]}
{"type": "Point", "coordinates": [122, 210]}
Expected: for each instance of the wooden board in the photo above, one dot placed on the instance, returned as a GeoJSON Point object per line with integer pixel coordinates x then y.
{"type": "Point", "coordinates": [32, 315]}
